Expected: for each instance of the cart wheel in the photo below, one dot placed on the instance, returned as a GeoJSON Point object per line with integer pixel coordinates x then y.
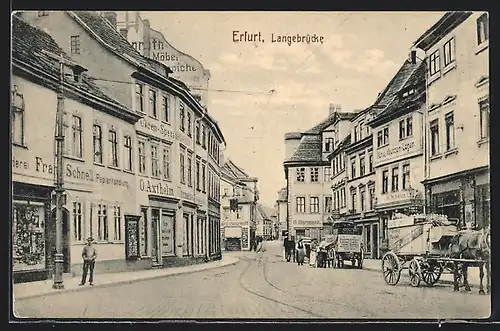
{"type": "Point", "coordinates": [431, 272]}
{"type": "Point", "coordinates": [391, 268]}
{"type": "Point", "coordinates": [361, 257]}
{"type": "Point", "coordinates": [414, 271]}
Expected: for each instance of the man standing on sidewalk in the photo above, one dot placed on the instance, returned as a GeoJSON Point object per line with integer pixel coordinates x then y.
{"type": "Point", "coordinates": [89, 254]}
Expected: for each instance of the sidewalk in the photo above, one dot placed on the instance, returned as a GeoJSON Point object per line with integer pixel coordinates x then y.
{"type": "Point", "coordinates": [473, 273]}
{"type": "Point", "coordinates": [71, 284]}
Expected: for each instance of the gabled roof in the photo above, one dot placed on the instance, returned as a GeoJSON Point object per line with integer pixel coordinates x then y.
{"type": "Point", "coordinates": [29, 46]}
{"type": "Point", "coordinates": [309, 149]}
{"type": "Point", "coordinates": [416, 77]}
{"type": "Point", "coordinates": [108, 36]}
{"type": "Point", "coordinates": [264, 212]}
{"type": "Point", "coordinates": [232, 172]}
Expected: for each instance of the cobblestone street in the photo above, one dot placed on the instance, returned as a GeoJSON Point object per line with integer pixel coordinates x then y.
{"type": "Point", "coordinates": [262, 286]}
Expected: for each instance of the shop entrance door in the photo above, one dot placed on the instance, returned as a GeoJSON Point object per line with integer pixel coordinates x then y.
{"type": "Point", "coordinates": [155, 236]}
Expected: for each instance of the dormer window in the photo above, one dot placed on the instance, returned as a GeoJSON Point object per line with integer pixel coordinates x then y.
{"type": "Point", "coordinates": [408, 92]}
{"type": "Point", "coordinates": [75, 44]}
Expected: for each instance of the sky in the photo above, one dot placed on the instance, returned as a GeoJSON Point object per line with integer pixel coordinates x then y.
{"type": "Point", "coordinates": [278, 88]}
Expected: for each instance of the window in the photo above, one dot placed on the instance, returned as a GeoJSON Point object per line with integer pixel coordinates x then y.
{"type": "Point", "coordinates": [353, 167]}
{"type": "Point", "coordinates": [356, 133]}
{"type": "Point", "coordinates": [142, 157]}
{"type": "Point", "coordinates": [155, 169]}
{"type": "Point", "coordinates": [450, 131]}
{"type": "Point", "coordinates": [314, 174]}
{"type": "Point", "coordinates": [361, 130]}
{"type": "Point", "coordinates": [97, 142]}
{"type": "Point", "coordinates": [117, 217]}
{"type": "Point", "coordinates": [203, 178]}
{"type": "Point", "coordinates": [77, 142]}
{"type": "Point", "coordinates": [328, 204]}
{"type": "Point", "coordinates": [402, 129]}
{"type": "Point", "coordinates": [405, 128]}
{"type": "Point", "coordinates": [301, 174]}
{"type": "Point", "coordinates": [354, 198]}
{"type": "Point", "coordinates": [395, 177]}
{"type": "Point", "coordinates": [361, 165]}
{"type": "Point", "coordinates": [152, 104]}
{"type": "Point", "coordinates": [329, 144]}
{"type": "Point", "coordinates": [434, 65]}
{"type": "Point", "coordinates": [362, 195]}
{"type": "Point", "coordinates": [314, 205]}
{"type": "Point", "coordinates": [383, 137]}
{"type": "Point", "coordinates": [198, 177]}
{"type": "Point", "coordinates": [77, 221]}
{"type": "Point", "coordinates": [301, 204]}
{"type": "Point", "coordinates": [409, 126]}
{"type": "Point", "coordinates": [204, 136]}
{"type": "Point", "coordinates": [385, 181]}
{"type": "Point", "coordinates": [484, 118]}
{"type": "Point", "coordinates": [128, 152]}
{"type": "Point", "coordinates": [165, 108]}
{"type": "Point", "coordinates": [190, 170]}
{"type": "Point", "coordinates": [406, 176]}
{"type": "Point", "coordinates": [434, 128]}
{"type": "Point", "coordinates": [343, 197]}
{"type": "Point", "coordinates": [75, 44]}
{"type": "Point", "coordinates": [113, 148]}
{"type": "Point", "coordinates": [198, 132]}
{"type": "Point", "coordinates": [17, 117]}
{"type": "Point", "coordinates": [327, 171]}
{"type": "Point", "coordinates": [372, 197]}
{"type": "Point", "coordinates": [166, 162]}
{"type": "Point", "coordinates": [370, 162]}
{"type": "Point", "coordinates": [189, 131]}
{"type": "Point", "coordinates": [182, 170]}
{"type": "Point", "coordinates": [102, 223]}
{"type": "Point", "coordinates": [449, 52]}
{"type": "Point", "coordinates": [139, 97]}
{"type": "Point", "coordinates": [182, 118]}
{"type": "Point", "coordinates": [483, 29]}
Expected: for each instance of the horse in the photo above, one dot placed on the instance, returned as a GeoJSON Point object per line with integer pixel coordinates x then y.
{"type": "Point", "coordinates": [471, 245]}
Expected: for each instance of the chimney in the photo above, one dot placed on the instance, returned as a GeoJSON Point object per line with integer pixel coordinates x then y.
{"type": "Point", "coordinates": [111, 17]}
{"type": "Point", "coordinates": [124, 33]}
{"type": "Point", "coordinates": [413, 57]}
{"type": "Point", "coordinates": [334, 108]}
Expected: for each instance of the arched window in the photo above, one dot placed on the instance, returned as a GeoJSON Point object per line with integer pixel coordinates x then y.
{"type": "Point", "coordinates": [17, 117]}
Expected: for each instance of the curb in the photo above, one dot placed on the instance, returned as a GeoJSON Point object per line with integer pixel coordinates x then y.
{"type": "Point", "coordinates": [79, 289]}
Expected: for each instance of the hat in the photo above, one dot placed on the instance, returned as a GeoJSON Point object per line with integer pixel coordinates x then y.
{"type": "Point", "coordinates": [90, 239]}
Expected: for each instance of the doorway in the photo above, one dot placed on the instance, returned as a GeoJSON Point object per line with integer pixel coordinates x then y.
{"type": "Point", "coordinates": [65, 239]}
{"type": "Point", "coordinates": [155, 233]}
{"type": "Point", "coordinates": [375, 237]}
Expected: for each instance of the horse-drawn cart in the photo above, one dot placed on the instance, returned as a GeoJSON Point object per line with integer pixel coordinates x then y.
{"type": "Point", "coordinates": [421, 244]}
{"type": "Point", "coordinates": [345, 244]}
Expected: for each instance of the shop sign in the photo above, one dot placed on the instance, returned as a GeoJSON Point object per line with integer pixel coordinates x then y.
{"type": "Point", "coordinates": [238, 223]}
{"type": "Point", "coordinates": [185, 195]}
{"type": "Point", "coordinates": [392, 151]}
{"type": "Point", "coordinates": [155, 187]}
{"type": "Point", "coordinates": [157, 129]}
{"type": "Point", "coordinates": [45, 169]}
{"type": "Point", "coordinates": [395, 196]}
{"type": "Point", "coordinates": [308, 222]}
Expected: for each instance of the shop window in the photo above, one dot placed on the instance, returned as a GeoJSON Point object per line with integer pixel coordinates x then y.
{"type": "Point", "coordinates": [143, 228]}
{"type": "Point", "coordinates": [127, 143]}
{"type": "Point", "coordinates": [447, 203]}
{"type": "Point", "coordinates": [117, 217]}
{"type": "Point", "coordinates": [142, 157]}
{"type": "Point", "coordinates": [97, 142]}
{"type": "Point", "coordinates": [113, 148]}
{"type": "Point", "coordinates": [77, 222]}
{"type": "Point", "coordinates": [28, 237]}
{"type": "Point", "coordinates": [18, 116]}
{"type": "Point", "coordinates": [102, 223]}
{"type": "Point", "coordinates": [483, 206]}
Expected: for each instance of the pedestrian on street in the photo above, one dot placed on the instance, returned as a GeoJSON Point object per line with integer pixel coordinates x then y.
{"type": "Point", "coordinates": [291, 250]}
{"type": "Point", "coordinates": [285, 249]}
{"type": "Point", "coordinates": [89, 254]}
{"type": "Point", "coordinates": [301, 252]}
{"type": "Point", "coordinates": [313, 255]}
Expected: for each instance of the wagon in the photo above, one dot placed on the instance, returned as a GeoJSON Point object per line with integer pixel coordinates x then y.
{"type": "Point", "coordinates": [420, 244]}
{"type": "Point", "coordinates": [345, 244]}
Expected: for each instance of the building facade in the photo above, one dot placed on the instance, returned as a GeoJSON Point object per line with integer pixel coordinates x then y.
{"type": "Point", "coordinates": [175, 164]}
{"type": "Point", "coordinates": [239, 196]}
{"type": "Point", "coordinates": [308, 175]}
{"type": "Point", "coordinates": [457, 118]}
{"type": "Point", "coordinates": [398, 152]}
{"type": "Point", "coordinates": [99, 183]}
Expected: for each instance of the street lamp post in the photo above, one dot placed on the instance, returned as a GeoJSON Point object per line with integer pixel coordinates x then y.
{"type": "Point", "coordinates": [59, 257]}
